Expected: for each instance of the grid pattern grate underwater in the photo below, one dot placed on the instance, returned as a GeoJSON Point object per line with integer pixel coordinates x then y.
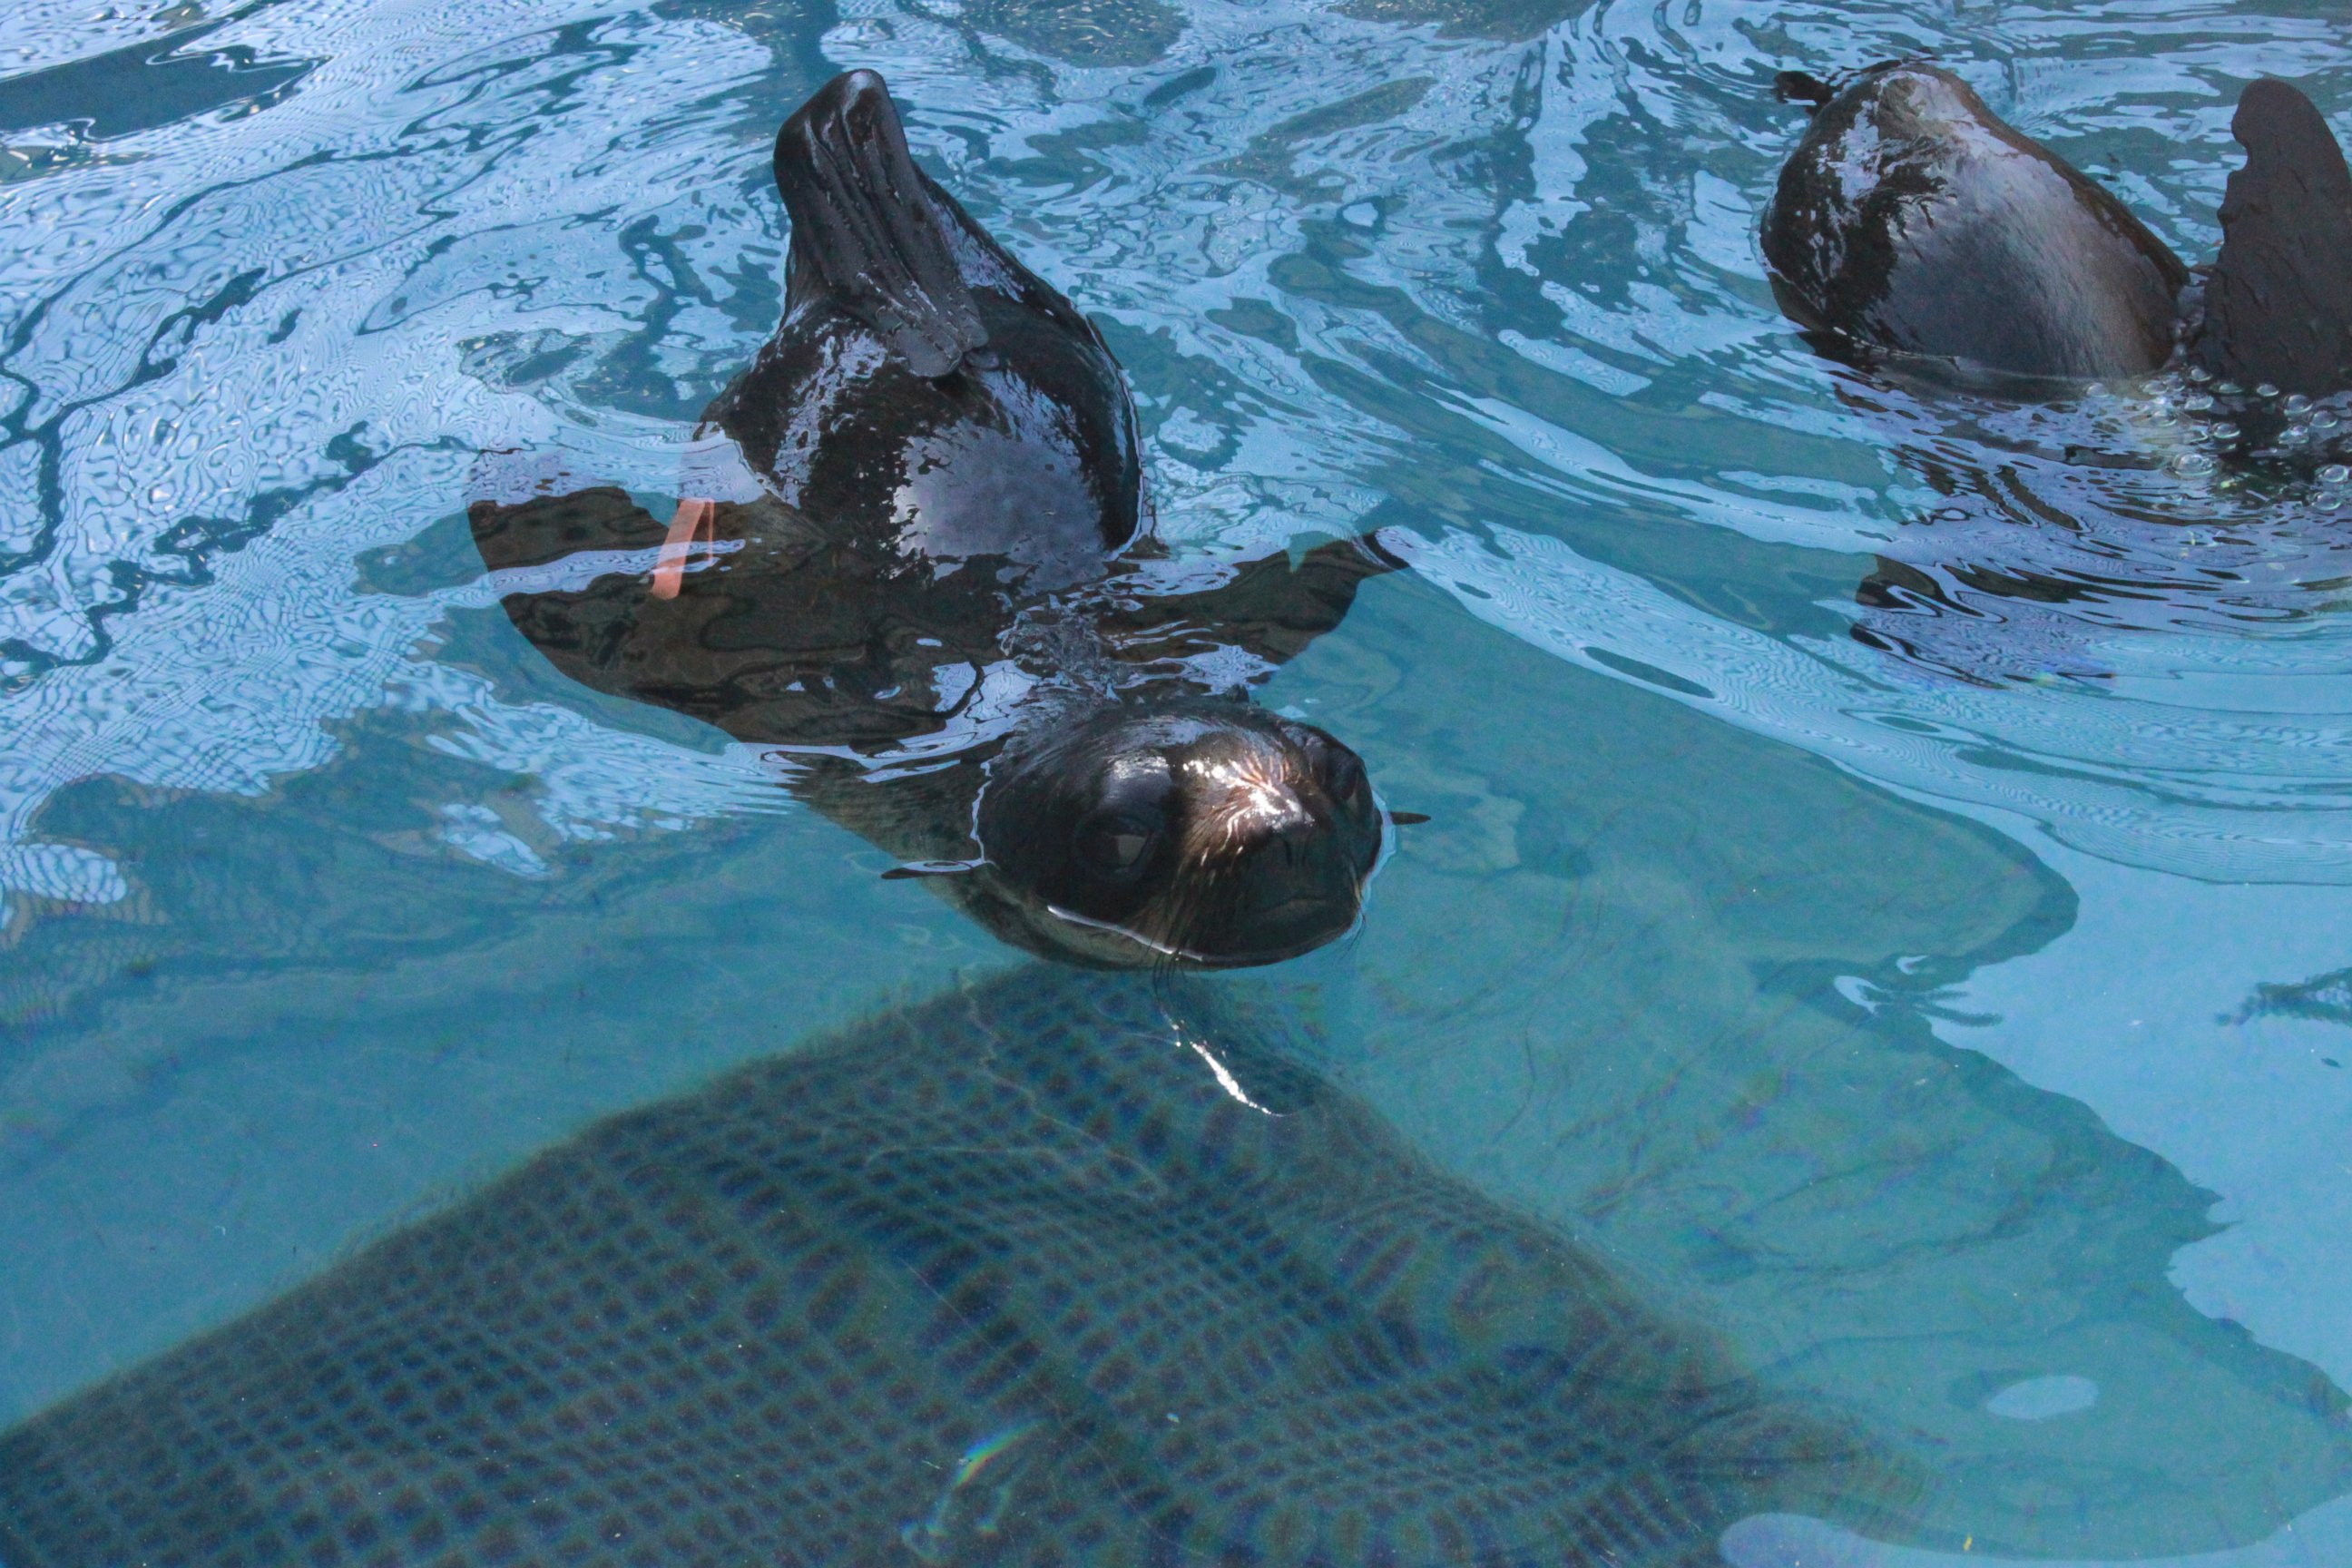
{"type": "Point", "coordinates": [1031, 1273]}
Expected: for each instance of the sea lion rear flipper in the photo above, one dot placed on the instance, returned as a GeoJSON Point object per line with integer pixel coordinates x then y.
{"type": "Point", "coordinates": [868, 231]}
{"type": "Point", "coordinates": [1269, 607]}
{"type": "Point", "coordinates": [2278, 304]}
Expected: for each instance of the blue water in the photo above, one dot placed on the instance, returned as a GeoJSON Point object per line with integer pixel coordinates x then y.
{"type": "Point", "coordinates": [1952, 1010]}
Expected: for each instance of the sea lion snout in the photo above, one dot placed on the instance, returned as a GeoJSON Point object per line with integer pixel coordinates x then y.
{"type": "Point", "coordinates": [1207, 833]}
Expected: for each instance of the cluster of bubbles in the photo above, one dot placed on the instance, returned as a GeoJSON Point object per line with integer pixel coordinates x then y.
{"type": "Point", "coordinates": [2212, 416]}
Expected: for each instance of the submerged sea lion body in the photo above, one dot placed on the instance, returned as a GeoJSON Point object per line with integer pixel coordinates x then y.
{"type": "Point", "coordinates": [1912, 228]}
{"type": "Point", "coordinates": [919, 570]}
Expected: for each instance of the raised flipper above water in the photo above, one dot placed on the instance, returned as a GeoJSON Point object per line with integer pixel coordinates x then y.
{"type": "Point", "coordinates": [870, 234]}
{"type": "Point", "coordinates": [2278, 304]}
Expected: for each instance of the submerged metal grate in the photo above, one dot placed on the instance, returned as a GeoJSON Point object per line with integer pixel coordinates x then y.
{"type": "Point", "coordinates": [1010, 1277]}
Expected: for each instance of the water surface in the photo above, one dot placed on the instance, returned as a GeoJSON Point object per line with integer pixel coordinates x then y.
{"type": "Point", "coordinates": [1940, 990]}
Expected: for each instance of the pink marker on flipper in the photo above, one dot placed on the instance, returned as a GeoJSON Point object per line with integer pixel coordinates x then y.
{"type": "Point", "coordinates": [692, 526]}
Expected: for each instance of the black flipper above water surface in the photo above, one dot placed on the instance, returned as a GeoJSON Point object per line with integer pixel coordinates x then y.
{"type": "Point", "coordinates": [2278, 303]}
{"type": "Point", "coordinates": [1802, 87]}
{"type": "Point", "coordinates": [1010, 1277]}
{"type": "Point", "coordinates": [870, 230]}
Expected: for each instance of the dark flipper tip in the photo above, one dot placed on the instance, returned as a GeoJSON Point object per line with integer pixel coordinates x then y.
{"type": "Point", "coordinates": [1802, 87]}
{"type": "Point", "coordinates": [2278, 305]}
{"type": "Point", "coordinates": [866, 229]}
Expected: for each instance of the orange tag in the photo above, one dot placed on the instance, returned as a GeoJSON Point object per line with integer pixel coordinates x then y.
{"type": "Point", "coordinates": [693, 525]}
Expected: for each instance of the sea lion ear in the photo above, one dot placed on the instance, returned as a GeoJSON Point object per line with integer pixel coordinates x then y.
{"type": "Point", "coordinates": [2278, 303]}
{"type": "Point", "coordinates": [867, 228]}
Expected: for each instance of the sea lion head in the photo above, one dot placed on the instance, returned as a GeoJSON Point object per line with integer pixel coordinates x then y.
{"type": "Point", "coordinates": [1199, 833]}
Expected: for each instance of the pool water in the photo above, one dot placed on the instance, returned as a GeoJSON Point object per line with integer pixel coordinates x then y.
{"type": "Point", "coordinates": [1889, 888]}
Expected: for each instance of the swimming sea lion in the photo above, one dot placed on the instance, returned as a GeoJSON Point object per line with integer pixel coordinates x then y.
{"type": "Point", "coordinates": [1912, 228]}
{"type": "Point", "coordinates": [918, 563]}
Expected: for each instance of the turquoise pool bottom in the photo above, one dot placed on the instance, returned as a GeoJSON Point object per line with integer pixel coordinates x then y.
{"type": "Point", "coordinates": [1661, 987]}
{"type": "Point", "coordinates": [1062, 1268]}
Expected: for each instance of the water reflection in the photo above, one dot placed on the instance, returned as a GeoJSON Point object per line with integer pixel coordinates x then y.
{"type": "Point", "coordinates": [2057, 528]}
{"type": "Point", "coordinates": [171, 79]}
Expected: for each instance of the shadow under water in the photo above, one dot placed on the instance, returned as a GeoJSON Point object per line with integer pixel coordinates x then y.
{"type": "Point", "coordinates": [1033, 1272]}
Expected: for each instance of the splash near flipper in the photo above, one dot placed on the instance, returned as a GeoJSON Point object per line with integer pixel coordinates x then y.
{"type": "Point", "coordinates": [869, 231]}
{"type": "Point", "coordinates": [2278, 305]}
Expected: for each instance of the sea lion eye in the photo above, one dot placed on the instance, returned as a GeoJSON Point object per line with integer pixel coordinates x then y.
{"type": "Point", "coordinates": [1117, 844]}
{"type": "Point", "coordinates": [1343, 773]}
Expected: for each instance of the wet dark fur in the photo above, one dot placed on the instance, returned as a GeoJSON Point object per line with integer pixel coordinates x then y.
{"type": "Point", "coordinates": [1911, 220]}
{"type": "Point", "coordinates": [1911, 230]}
{"type": "Point", "coordinates": [950, 531]}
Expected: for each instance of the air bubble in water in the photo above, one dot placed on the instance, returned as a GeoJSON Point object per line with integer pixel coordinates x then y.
{"type": "Point", "coordinates": [2228, 388]}
{"type": "Point", "coordinates": [2199, 375]}
{"type": "Point", "coordinates": [2334, 474]}
{"type": "Point", "coordinates": [2198, 402]}
{"type": "Point", "coordinates": [2296, 403]}
{"type": "Point", "coordinates": [2193, 465]}
{"type": "Point", "coordinates": [2225, 431]}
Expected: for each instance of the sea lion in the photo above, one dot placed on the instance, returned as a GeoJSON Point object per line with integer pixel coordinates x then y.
{"type": "Point", "coordinates": [1911, 220]}
{"type": "Point", "coordinates": [915, 560]}
{"type": "Point", "coordinates": [1913, 230]}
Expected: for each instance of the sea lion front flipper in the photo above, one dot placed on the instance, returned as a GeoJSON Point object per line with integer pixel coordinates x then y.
{"type": "Point", "coordinates": [538, 530]}
{"type": "Point", "coordinates": [867, 233]}
{"type": "Point", "coordinates": [2278, 304]}
{"type": "Point", "coordinates": [1270, 607]}
{"type": "Point", "coordinates": [565, 584]}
